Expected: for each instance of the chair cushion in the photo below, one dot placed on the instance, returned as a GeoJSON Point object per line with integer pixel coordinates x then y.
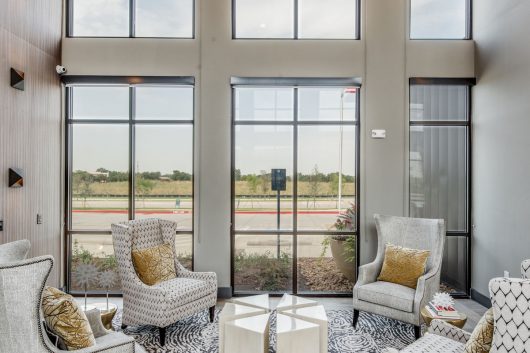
{"type": "Point", "coordinates": [431, 343]}
{"type": "Point", "coordinates": [482, 336]}
{"type": "Point", "coordinates": [154, 265]}
{"type": "Point", "coordinates": [181, 291]}
{"type": "Point", "coordinates": [403, 265]}
{"type": "Point", "coordinates": [66, 319]}
{"type": "Point", "coordinates": [388, 294]}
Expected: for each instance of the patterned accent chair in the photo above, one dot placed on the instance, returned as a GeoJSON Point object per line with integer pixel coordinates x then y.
{"type": "Point", "coordinates": [14, 251]}
{"type": "Point", "coordinates": [21, 327]}
{"type": "Point", "coordinates": [525, 269]}
{"type": "Point", "coordinates": [510, 298]}
{"type": "Point", "coordinates": [393, 300]}
{"type": "Point", "coordinates": [167, 302]}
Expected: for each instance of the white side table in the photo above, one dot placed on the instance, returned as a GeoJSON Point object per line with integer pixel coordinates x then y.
{"type": "Point", "coordinates": [317, 315]}
{"type": "Point", "coordinates": [247, 335]}
{"type": "Point", "coordinates": [296, 336]}
{"type": "Point", "coordinates": [232, 312]}
{"type": "Point", "coordinates": [256, 301]}
{"type": "Point", "coordinates": [293, 302]}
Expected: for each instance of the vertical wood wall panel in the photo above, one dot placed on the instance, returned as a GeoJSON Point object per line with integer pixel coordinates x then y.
{"type": "Point", "coordinates": [30, 125]}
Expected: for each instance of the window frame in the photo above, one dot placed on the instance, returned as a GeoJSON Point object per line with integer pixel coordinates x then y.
{"type": "Point", "coordinates": [131, 82]}
{"type": "Point", "coordinates": [469, 83]}
{"type": "Point", "coordinates": [294, 232]}
{"type": "Point", "coordinates": [296, 25]}
{"type": "Point", "coordinates": [132, 23]}
{"type": "Point", "coordinates": [468, 24]}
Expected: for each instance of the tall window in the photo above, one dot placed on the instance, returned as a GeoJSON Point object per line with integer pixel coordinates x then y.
{"type": "Point", "coordinates": [439, 172]}
{"type": "Point", "coordinates": [296, 19]}
{"type": "Point", "coordinates": [294, 214]}
{"type": "Point", "coordinates": [440, 19]}
{"type": "Point", "coordinates": [130, 156]}
{"type": "Point", "coordinates": [131, 18]}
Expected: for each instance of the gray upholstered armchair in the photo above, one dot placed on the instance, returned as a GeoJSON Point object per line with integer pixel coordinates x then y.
{"type": "Point", "coordinates": [14, 251]}
{"type": "Point", "coordinates": [21, 327]}
{"type": "Point", "coordinates": [167, 302]}
{"type": "Point", "coordinates": [393, 300]}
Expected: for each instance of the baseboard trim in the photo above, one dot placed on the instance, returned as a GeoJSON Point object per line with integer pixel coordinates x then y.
{"type": "Point", "coordinates": [224, 292]}
{"type": "Point", "coordinates": [480, 298]}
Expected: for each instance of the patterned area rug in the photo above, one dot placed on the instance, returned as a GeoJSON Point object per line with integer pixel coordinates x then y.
{"type": "Point", "coordinates": [197, 335]}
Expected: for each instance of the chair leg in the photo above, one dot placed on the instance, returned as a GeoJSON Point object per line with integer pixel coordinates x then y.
{"type": "Point", "coordinates": [417, 332]}
{"type": "Point", "coordinates": [355, 317]}
{"type": "Point", "coordinates": [162, 332]}
{"type": "Point", "coordinates": [212, 313]}
{"type": "Point", "coordinates": [123, 327]}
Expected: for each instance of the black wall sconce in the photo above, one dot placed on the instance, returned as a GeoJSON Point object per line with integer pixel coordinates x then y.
{"type": "Point", "coordinates": [16, 180]}
{"type": "Point", "coordinates": [17, 79]}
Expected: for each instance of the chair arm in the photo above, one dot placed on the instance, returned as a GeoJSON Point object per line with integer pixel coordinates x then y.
{"type": "Point", "coordinates": [427, 286]}
{"type": "Point", "coordinates": [368, 273]}
{"type": "Point", "coordinates": [119, 343]}
{"type": "Point", "coordinates": [442, 328]}
{"type": "Point", "coordinates": [525, 269]}
{"type": "Point", "coordinates": [203, 276]}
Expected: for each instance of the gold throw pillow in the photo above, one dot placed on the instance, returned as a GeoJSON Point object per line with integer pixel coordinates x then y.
{"type": "Point", "coordinates": [482, 336]}
{"type": "Point", "coordinates": [66, 319]}
{"type": "Point", "coordinates": [403, 265]}
{"type": "Point", "coordinates": [154, 265]}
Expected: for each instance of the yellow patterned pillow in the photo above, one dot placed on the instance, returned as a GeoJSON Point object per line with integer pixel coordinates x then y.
{"type": "Point", "coordinates": [66, 319]}
{"type": "Point", "coordinates": [154, 265]}
{"type": "Point", "coordinates": [403, 265]}
{"type": "Point", "coordinates": [482, 337]}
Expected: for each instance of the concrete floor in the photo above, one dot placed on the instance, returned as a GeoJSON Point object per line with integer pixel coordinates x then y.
{"type": "Point", "coordinates": [472, 309]}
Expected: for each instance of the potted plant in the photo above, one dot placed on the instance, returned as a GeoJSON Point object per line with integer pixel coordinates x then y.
{"type": "Point", "coordinates": [343, 247]}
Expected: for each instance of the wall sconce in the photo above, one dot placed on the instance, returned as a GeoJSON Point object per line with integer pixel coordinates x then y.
{"type": "Point", "coordinates": [16, 180]}
{"type": "Point", "coordinates": [17, 79]}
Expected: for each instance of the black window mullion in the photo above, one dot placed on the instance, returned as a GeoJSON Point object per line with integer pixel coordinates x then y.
{"type": "Point", "coordinates": [132, 151]}
{"type": "Point", "coordinates": [132, 18]}
{"type": "Point", "coordinates": [295, 190]}
{"type": "Point", "coordinates": [295, 24]}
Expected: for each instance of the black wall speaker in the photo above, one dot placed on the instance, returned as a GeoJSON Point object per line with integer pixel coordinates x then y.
{"type": "Point", "coordinates": [17, 79]}
{"type": "Point", "coordinates": [15, 178]}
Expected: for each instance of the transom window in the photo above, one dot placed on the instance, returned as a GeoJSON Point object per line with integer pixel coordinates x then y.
{"type": "Point", "coordinates": [440, 19]}
{"type": "Point", "coordinates": [296, 19]}
{"type": "Point", "coordinates": [131, 18]}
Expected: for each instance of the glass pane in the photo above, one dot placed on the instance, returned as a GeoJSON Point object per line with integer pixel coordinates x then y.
{"type": "Point", "coordinates": [164, 18]}
{"type": "Point", "coordinates": [331, 19]}
{"type": "Point", "coordinates": [100, 102]}
{"type": "Point", "coordinates": [184, 249]}
{"type": "Point", "coordinates": [261, 265]}
{"type": "Point", "coordinates": [327, 104]}
{"type": "Point", "coordinates": [326, 177]}
{"type": "Point", "coordinates": [101, 18]}
{"type": "Point", "coordinates": [455, 265]}
{"type": "Point", "coordinates": [326, 263]}
{"type": "Point", "coordinates": [99, 175]}
{"type": "Point", "coordinates": [266, 104]}
{"type": "Point", "coordinates": [164, 103]}
{"type": "Point", "coordinates": [438, 174]}
{"type": "Point", "coordinates": [438, 19]}
{"type": "Point", "coordinates": [93, 254]}
{"type": "Point", "coordinates": [164, 173]}
{"type": "Point", "coordinates": [438, 103]}
{"type": "Point", "coordinates": [258, 149]}
{"type": "Point", "coordinates": [264, 19]}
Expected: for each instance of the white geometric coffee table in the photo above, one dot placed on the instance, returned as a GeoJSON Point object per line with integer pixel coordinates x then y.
{"type": "Point", "coordinates": [296, 336]}
{"type": "Point", "coordinates": [293, 302]}
{"type": "Point", "coordinates": [232, 312]}
{"type": "Point", "coordinates": [247, 335]}
{"type": "Point", "coordinates": [255, 301]}
{"type": "Point", "coordinates": [317, 315]}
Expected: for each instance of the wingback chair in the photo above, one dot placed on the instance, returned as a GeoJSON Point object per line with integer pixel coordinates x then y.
{"type": "Point", "coordinates": [525, 269]}
{"type": "Point", "coordinates": [21, 327]}
{"type": "Point", "coordinates": [393, 300]}
{"type": "Point", "coordinates": [14, 251]}
{"type": "Point", "coordinates": [167, 302]}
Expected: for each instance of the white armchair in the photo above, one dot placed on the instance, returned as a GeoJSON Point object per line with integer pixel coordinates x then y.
{"type": "Point", "coordinates": [165, 303]}
{"type": "Point", "coordinates": [393, 300]}
{"type": "Point", "coordinates": [21, 327]}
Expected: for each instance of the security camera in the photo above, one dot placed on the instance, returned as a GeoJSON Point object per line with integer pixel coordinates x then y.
{"type": "Point", "coordinates": [61, 70]}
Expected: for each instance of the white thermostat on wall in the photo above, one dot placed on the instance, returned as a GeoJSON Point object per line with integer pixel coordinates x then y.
{"type": "Point", "coordinates": [378, 134]}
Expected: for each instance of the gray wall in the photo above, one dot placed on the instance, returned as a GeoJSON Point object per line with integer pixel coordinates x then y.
{"type": "Point", "coordinates": [501, 166]}
{"type": "Point", "coordinates": [30, 125]}
{"type": "Point", "coordinates": [384, 58]}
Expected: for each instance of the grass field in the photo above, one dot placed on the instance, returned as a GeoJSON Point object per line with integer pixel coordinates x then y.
{"type": "Point", "coordinates": [161, 188]}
